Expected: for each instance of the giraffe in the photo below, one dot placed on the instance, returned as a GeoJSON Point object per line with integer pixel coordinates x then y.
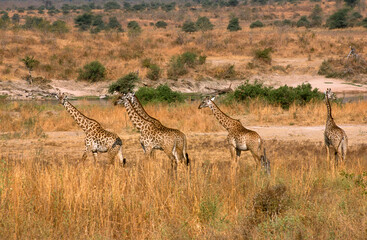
{"type": "Point", "coordinates": [180, 137]}
{"type": "Point", "coordinates": [334, 136]}
{"type": "Point", "coordinates": [155, 137]}
{"type": "Point", "coordinates": [97, 139]}
{"type": "Point", "coordinates": [239, 138]}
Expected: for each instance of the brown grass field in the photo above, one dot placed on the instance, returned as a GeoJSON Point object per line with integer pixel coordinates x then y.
{"type": "Point", "coordinates": [44, 194]}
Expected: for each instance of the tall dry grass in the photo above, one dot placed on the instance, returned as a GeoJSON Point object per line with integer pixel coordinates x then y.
{"type": "Point", "coordinates": [27, 119]}
{"type": "Point", "coordinates": [46, 196]}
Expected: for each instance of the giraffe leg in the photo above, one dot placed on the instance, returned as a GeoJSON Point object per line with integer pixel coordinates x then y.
{"type": "Point", "coordinates": [113, 152]}
{"type": "Point", "coordinates": [328, 154]}
{"type": "Point", "coordinates": [121, 157]}
{"type": "Point", "coordinates": [256, 158]}
{"type": "Point", "coordinates": [95, 156]}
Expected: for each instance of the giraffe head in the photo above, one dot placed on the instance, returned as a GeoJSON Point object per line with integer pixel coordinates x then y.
{"type": "Point", "coordinates": [61, 96]}
{"type": "Point", "coordinates": [206, 102]}
{"type": "Point", "coordinates": [131, 96]}
{"type": "Point", "coordinates": [329, 94]}
{"type": "Point", "coordinates": [121, 99]}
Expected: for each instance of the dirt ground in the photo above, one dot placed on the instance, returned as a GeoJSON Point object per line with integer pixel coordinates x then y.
{"type": "Point", "coordinates": [69, 145]}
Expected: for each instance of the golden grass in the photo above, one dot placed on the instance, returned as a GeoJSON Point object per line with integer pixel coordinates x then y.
{"type": "Point", "coordinates": [47, 196]}
{"type": "Point", "coordinates": [30, 119]}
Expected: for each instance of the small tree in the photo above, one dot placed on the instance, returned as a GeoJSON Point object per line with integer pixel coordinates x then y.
{"type": "Point", "coordinates": [161, 24]}
{"type": "Point", "coordinates": [338, 19]}
{"type": "Point", "coordinates": [30, 63]}
{"type": "Point", "coordinates": [189, 26]}
{"type": "Point", "coordinates": [114, 24]}
{"type": "Point", "coordinates": [303, 22]}
{"type": "Point", "coordinates": [111, 5]}
{"type": "Point", "coordinates": [93, 72]}
{"type": "Point", "coordinates": [15, 18]}
{"type": "Point", "coordinates": [134, 28]}
{"type": "Point", "coordinates": [125, 84]}
{"type": "Point", "coordinates": [154, 72]}
{"type": "Point", "coordinates": [257, 24]}
{"type": "Point", "coordinates": [351, 3]}
{"type": "Point", "coordinates": [364, 22]}
{"type": "Point", "coordinates": [204, 24]}
{"type": "Point", "coordinates": [316, 16]}
{"type": "Point", "coordinates": [83, 22]}
{"type": "Point", "coordinates": [232, 3]}
{"type": "Point", "coordinates": [233, 25]}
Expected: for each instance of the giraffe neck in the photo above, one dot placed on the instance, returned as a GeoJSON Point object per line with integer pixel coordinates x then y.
{"type": "Point", "coordinates": [83, 121]}
{"type": "Point", "coordinates": [141, 111]}
{"type": "Point", "coordinates": [329, 119]}
{"type": "Point", "coordinates": [226, 121]}
{"type": "Point", "coordinates": [139, 122]}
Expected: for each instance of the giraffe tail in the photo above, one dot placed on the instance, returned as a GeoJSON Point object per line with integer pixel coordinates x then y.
{"type": "Point", "coordinates": [265, 162]}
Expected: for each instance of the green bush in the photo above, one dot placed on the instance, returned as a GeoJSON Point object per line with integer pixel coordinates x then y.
{"type": "Point", "coordinates": [179, 64]}
{"type": "Point", "coordinates": [338, 19]}
{"type": "Point", "coordinates": [93, 72]}
{"type": "Point", "coordinates": [125, 84]}
{"type": "Point", "coordinates": [114, 24]}
{"type": "Point", "coordinates": [283, 96]}
{"type": "Point", "coordinates": [161, 94]}
{"type": "Point", "coordinates": [303, 22]}
{"type": "Point", "coordinates": [146, 62]}
{"type": "Point", "coordinates": [161, 24]}
{"type": "Point", "coordinates": [203, 24]}
{"type": "Point", "coordinates": [59, 27]}
{"type": "Point", "coordinates": [134, 28]}
{"type": "Point", "coordinates": [257, 24]}
{"type": "Point", "coordinates": [83, 22]}
{"type": "Point", "coordinates": [364, 22]}
{"type": "Point", "coordinates": [263, 55]}
{"type": "Point", "coordinates": [111, 5]}
{"type": "Point", "coordinates": [154, 72]}
{"type": "Point", "coordinates": [316, 16]}
{"type": "Point", "coordinates": [189, 26]}
{"type": "Point", "coordinates": [233, 25]}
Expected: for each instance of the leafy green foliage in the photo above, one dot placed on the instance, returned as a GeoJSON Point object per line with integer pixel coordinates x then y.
{"type": "Point", "coordinates": [114, 24]}
{"type": "Point", "coordinates": [263, 55]}
{"type": "Point", "coordinates": [125, 84]}
{"type": "Point", "coordinates": [161, 24]}
{"type": "Point", "coordinates": [111, 6]}
{"type": "Point", "coordinates": [351, 3]}
{"type": "Point", "coordinates": [93, 72]}
{"type": "Point", "coordinates": [189, 26]}
{"type": "Point", "coordinates": [83, 22]}
{"type": "Point", "coordinates": [179, 64]}
{"type": "Point", "coordinates": [161, 94]}
{"type": "Point", "coordinates": [203, 24]}
{"type": "Point", "coordinates": [338, 19]}
{"type": "Point", "coordinates": [233, 25]}
{"type": "Point", "coordinates": [30, 62]}
{"type": "Point", "coordinates": [134, 29]}
{"type": "Point", "coordinates": [364, 22]}
{"type": "Point", "coordinates": [316, 16]}
{"type": "Point", "coordinates": [154, 72]}
{"type": "Point", "coordinates": [257, 24]}
{"type": "Point", "coordinates": [303, 22]}
{"type": "Point", "coordinates": [59, 26]}
{"type": "Point", "coordinates": [283, 96]}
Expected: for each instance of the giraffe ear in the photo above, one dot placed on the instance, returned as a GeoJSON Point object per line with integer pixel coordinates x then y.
{"type": "Point", "coordinates": [212, 99]}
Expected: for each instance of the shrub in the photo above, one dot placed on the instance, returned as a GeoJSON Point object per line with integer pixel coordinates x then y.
{"type": "Point", "coordinates": [176, 68]}
{"type": "Point", "coordinates": [114, 24]}
{"type": "Point", "coordinates": [161, 24]}
{"type": "Point", "coordinates": [154, 72]}
{"type": "Point", "coordinates": [283, 96]}
{"type": "Point", "coordinates": [134, 28]}
{"type": "Point", "coordinates": [189, 26]}
{"type": "Point", "coordinates": [342, 68]}
{"type": "Point", "coordinates": [83, 22]}
{"type": "Point", "coordinates": [59, 27]}
{"type": "Point", "coordinates": [203, 24]}
{"type": "Point", "coordinates": [179, 64]}
{"type": "Point", "coordinates": [338, 19]}
{"type": "Point", "coordinates": [146, 62]}
{"type": "Point", "coordinates": [15, 18]}
{"type": "Point", "coordinates": [364, 22]}
{"type": "Point", "coordinates": [263, 55]}
{"type": "Point", "coordinates": [303, 22]}
{"type": "Point", "coordinates": [125, 84]}
{"type": "Point", "coordinates": [93, 72]}
{"type": "Point", "coordinates": [36, 23]}
{"type": "Point", "coordinates": [161, 94]}
{"type": "Point", "coordinates": [316, 16]}
{"type": "Point", "coordinates": [111, 5]}
{"type": "Point", "coordinates": [257, 24]}
{"type": "Point", "coordinates": [233, 25]}
{"type": "Point", "coordinates": [225, 72]}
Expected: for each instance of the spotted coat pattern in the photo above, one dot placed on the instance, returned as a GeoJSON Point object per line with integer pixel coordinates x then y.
{"type": "Point", "coordinates": [239, 138]}
{"type": "Point", "coordinates": [334, 136]}
{"type": "Point", "coordinates": [97, 139]}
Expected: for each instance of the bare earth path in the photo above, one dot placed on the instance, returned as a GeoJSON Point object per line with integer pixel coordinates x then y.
{"type": "Point", "coordinates": [69, 145]}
